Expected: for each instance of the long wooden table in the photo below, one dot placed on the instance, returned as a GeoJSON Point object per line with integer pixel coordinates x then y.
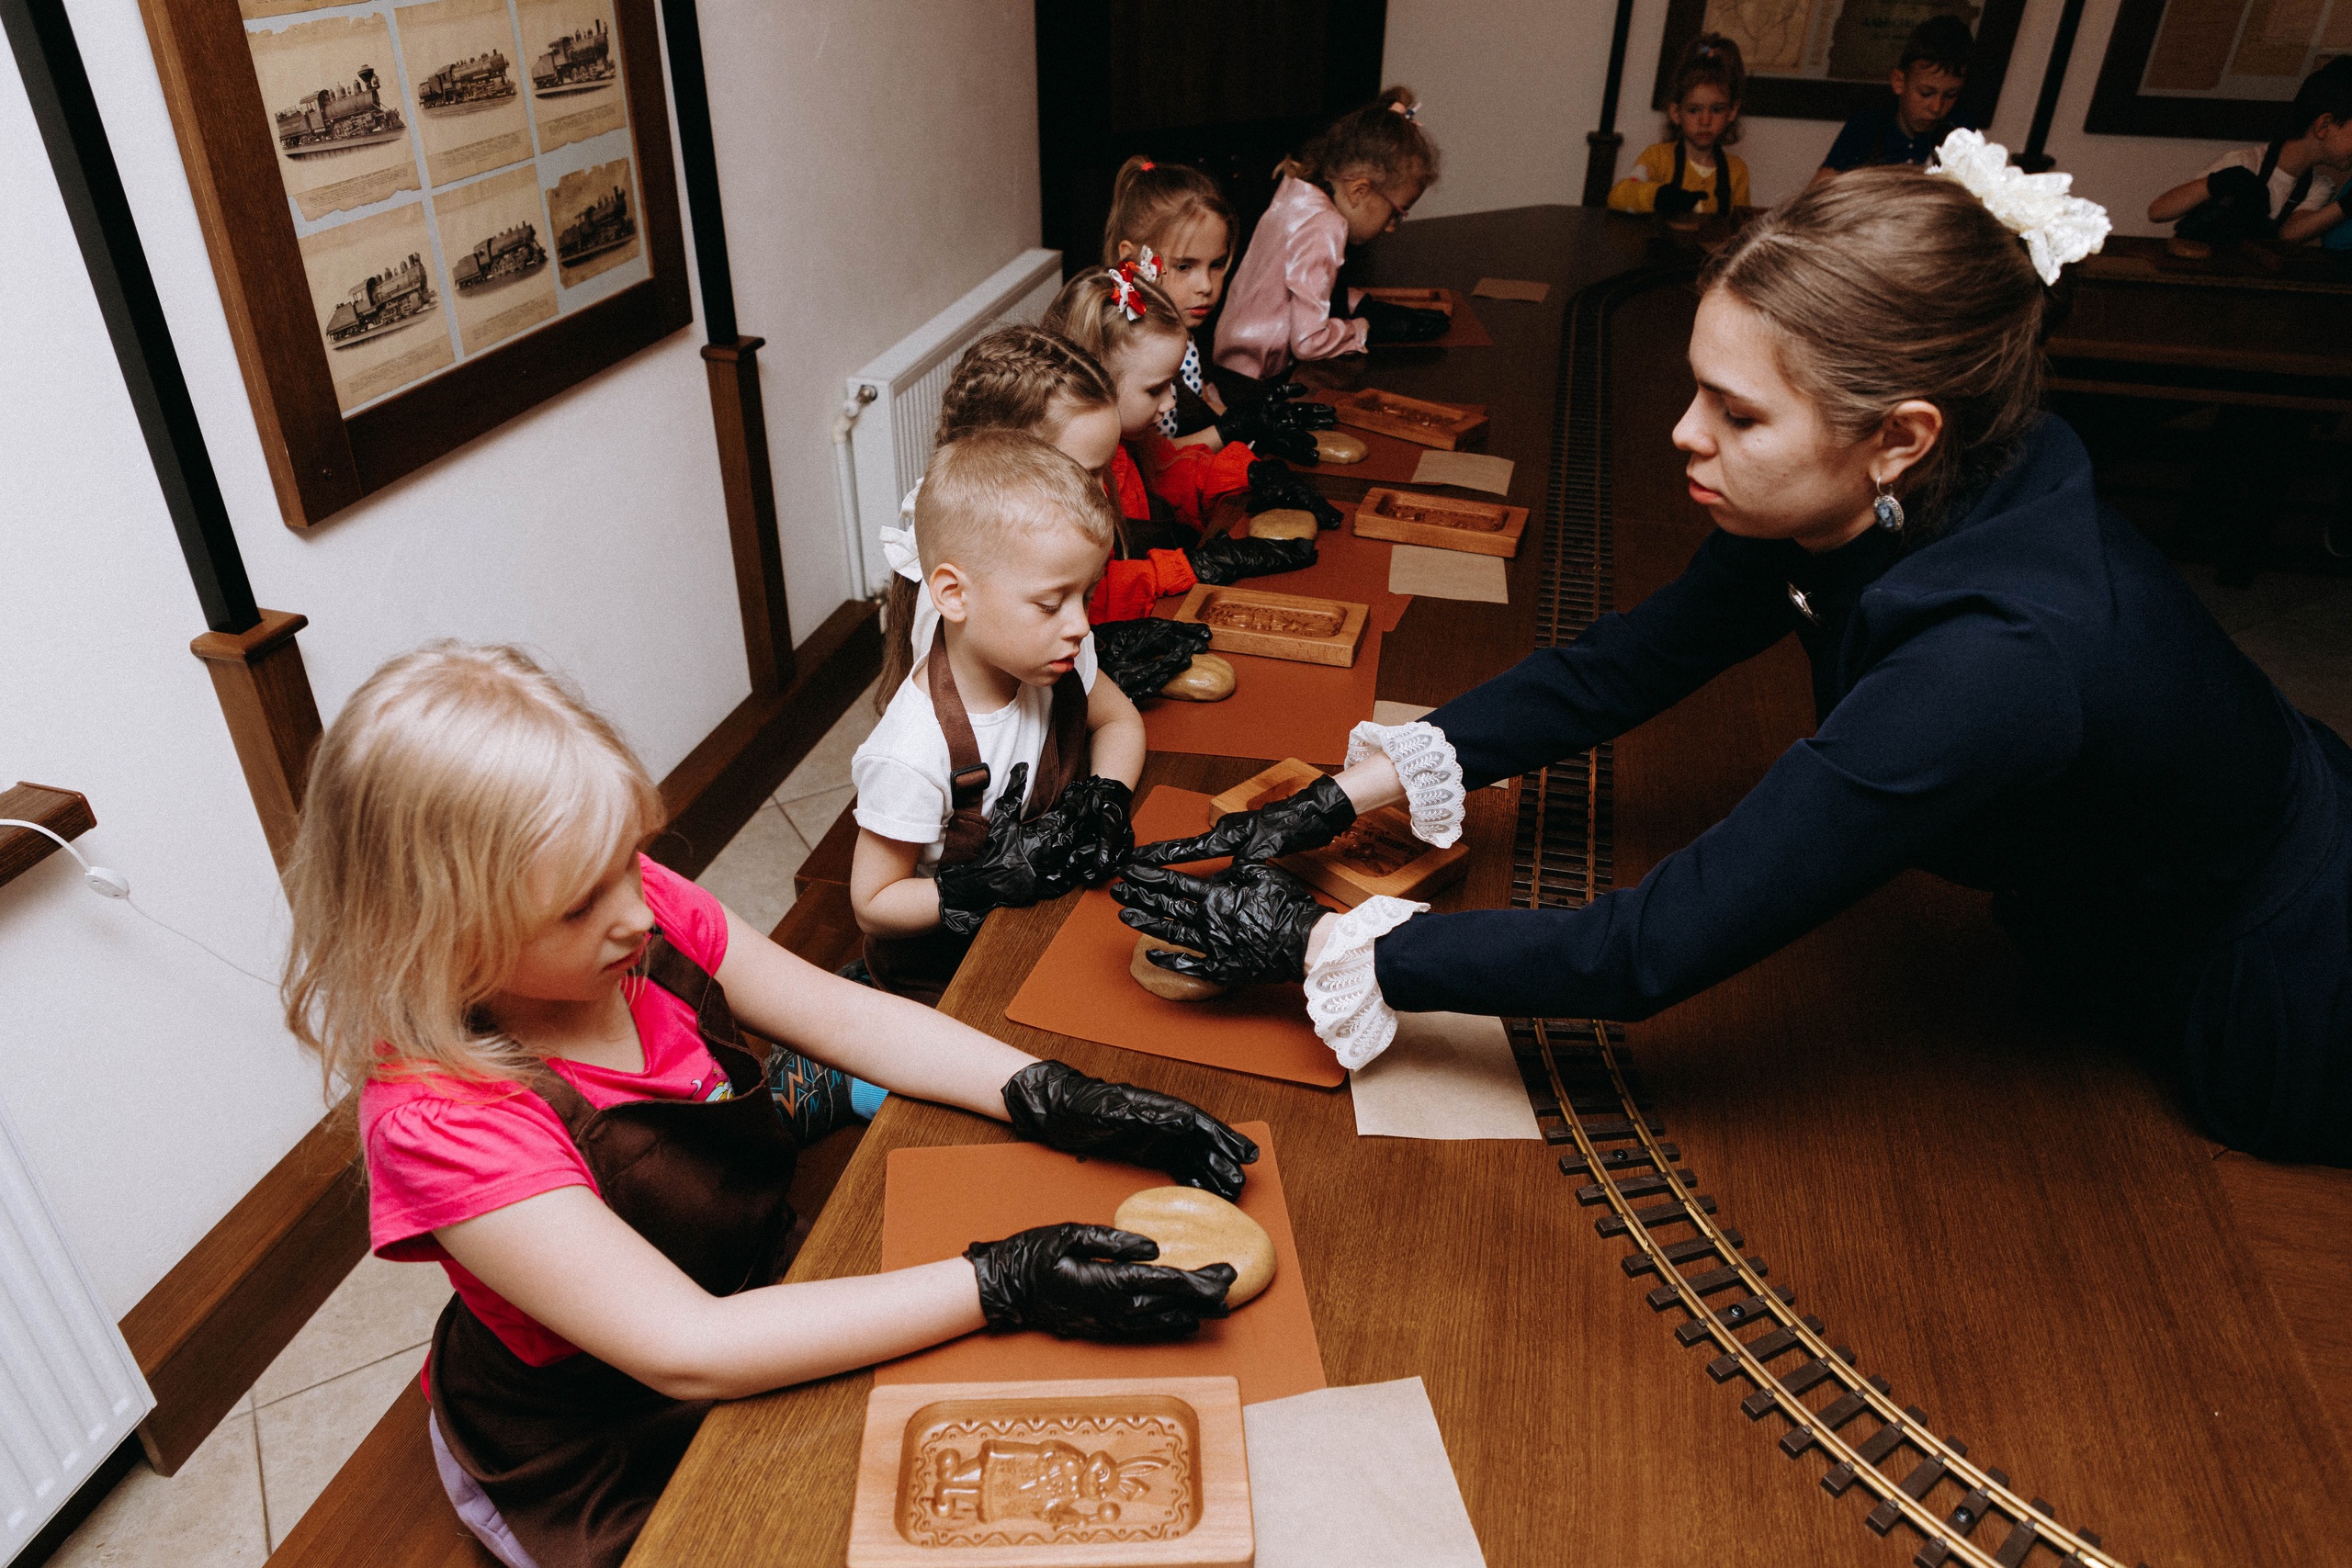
{"type": "Point", "coordinates": [2009, 1222]}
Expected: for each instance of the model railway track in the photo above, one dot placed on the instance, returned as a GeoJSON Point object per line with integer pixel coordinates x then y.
{"type": "Point", "coordinates": [1587, 1095]}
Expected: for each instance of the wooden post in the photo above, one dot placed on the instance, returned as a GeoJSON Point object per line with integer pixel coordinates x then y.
{"type": "Point", "coordinates": [272, 718]}
{"type": "Point", "coordinates": [1601, 145]}
{"type": "Point", "coordinates": [741, 423]}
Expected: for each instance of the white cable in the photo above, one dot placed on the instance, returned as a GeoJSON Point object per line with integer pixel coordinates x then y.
{"type": "Point", "coordinates": [175, 931]}
{"type": "Point", "coordinates": [111, 883]}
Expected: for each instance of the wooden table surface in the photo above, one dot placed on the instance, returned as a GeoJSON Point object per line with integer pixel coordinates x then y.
{"type": "Point", "coordinates": [2008, 1221]}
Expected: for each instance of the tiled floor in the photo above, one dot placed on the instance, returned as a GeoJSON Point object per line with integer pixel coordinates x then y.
{"type": "Point", "coordinates": [248, 1485]}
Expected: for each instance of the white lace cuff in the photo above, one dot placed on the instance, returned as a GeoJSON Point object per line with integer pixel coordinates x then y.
{"type": "Point", "coordinates": [1424, 760]}
{"type": "Point", "coordinates": [1343, 993]}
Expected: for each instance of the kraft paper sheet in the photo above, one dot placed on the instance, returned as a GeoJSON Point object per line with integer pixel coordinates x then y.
{"type": "Point", "coordinates": [1080, 987]}
{"type": "Point", "coordinates": [1447, 1075]}
{"type": "Point", "coordinates": [1449, 574]}
{"type": "Point", "coordinates": [1470, 470]}
{"type": "Point", "coordinates": [1511, 288]}
{"type": "Point", "coordinates": [937, 1202]}
{"type": "Point", "coordinates": [1356, 1478]}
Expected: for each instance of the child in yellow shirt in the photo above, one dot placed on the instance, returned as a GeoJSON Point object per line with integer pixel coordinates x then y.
{"type": "Point", "coordinates": [1695, 173]}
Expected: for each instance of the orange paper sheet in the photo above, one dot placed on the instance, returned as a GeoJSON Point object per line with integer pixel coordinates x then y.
{"type": "Point", "coordinates": [1391, 462]}
{"type": "Point", "coordinates": [937, 1202]}
{"type": "Point", "coordinates": [1467, 330]}
{"type": "Point", "coordinates": [1080, 987]}
{"type": "Point", "coordinates": [1279, 708]}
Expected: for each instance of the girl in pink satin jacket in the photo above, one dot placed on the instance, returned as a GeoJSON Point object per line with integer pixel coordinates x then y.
{"type": "Point", "coordinates": [1348, 184]}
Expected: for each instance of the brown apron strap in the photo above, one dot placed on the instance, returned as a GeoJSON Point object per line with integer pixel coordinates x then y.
{"type": "Point", "coordinates": [1067, 746]}
{"type": "Point", "coordinates": [692, 984]}
{"type": "Point", "coordinates": [968, 776]}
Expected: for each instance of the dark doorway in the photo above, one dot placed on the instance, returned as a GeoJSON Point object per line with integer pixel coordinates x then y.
{"type": "Point", "coordinates": [1230, 86]}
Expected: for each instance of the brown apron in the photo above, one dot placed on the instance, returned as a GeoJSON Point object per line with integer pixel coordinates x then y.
{"type": "Point", "coordinates": [575, 1454]}
{"type": "Point", "coordinates": [920, 966]}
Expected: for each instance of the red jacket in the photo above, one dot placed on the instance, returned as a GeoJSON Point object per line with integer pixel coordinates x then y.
{"type": "Point", "coordinates": [1191, 479]}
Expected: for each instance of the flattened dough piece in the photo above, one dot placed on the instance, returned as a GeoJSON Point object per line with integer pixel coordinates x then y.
{"type": "Point", "coordinates": [1209, 679]}
{"type": "Point", "coordinates": [1285, 522]}
{"type": "Point", "coordinates": [1339, 447]}
{"type": "Point", "coordinates": [1167, 982]}
{"type": "Point", "coordinates": [1195, 1229]}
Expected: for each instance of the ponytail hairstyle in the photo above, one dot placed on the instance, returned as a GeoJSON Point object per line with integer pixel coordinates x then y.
{"type": "Point", "coordinates": [463, 797]}
{"type": "Point", "coordinates": [1153, 202]}
{"type": "Point", "coordinates": [1106, 311]}
{"type": "Point", "coordinates": [1888, 284]}
{"type": "Point", "coordinates": [1014, 378]}
{"type": "Point", "coordinates": [1384, 139]}
{"type": "Point", "coordinates": [1710, 59]}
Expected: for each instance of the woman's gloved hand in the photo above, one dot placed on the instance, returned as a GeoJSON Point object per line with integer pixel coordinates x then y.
{"type": "Point", "coordinates": [1307, 820]}
{"type": "Point", "coordinates": [1248, 923]}
{"type": "Point", "coordinates": [1093, 1282]}
{"type": "Point", "coordinates": [1391, 323]}
{"type": "Point", "coordinates": [1226, 559]}
{"type": "Point", "coordinates": [1144, 655]}
{"type": "Point", "coordinates": [1273, 486]}
{"type": "Point", "coordinates": [1054, 1104]}
{"type": "Point", "coordinates": [1097, 813]}
{"type": "Point", "coordinates": [1022, 863]}
{"type": "Point", "coordinates": [1276, 426]}
{"type": "Point", "coordinates": [1675, 201]}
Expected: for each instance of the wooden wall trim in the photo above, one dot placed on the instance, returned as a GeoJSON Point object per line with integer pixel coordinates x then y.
{"type": "Point", "coordinates": [740, 421]}
{"type": "Point", "coordinates": [272, 718]}
{"type": "Point", "coordinates": [64, 812]}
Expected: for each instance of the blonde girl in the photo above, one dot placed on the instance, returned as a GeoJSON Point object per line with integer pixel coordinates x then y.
{"type": "Point", "coordinates": [1348, 185]}
{"type": "Point", "coordinates": [557, 1106]}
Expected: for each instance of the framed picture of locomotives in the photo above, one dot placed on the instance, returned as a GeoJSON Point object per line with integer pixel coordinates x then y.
{"type": "Point", "coordinates": [2216, 70]}
{"type": "Point", "coordinates": [424, 216]}
{"type": "Point", "coordinates": [1829, 59]}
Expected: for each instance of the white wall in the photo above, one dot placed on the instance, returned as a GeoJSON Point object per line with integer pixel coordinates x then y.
{"type": "Point", "coordinates": [879, 157]}
{"type": "Point", "coordinates": [1513, 85]}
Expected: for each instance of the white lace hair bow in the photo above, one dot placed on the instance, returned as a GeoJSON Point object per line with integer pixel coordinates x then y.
{"type": "Point", "coordinates": [1147, 264]}
{"type": "Point", "coordinates": [898, 550]}
{"type": "Point", "coordinates": [2057, 227]}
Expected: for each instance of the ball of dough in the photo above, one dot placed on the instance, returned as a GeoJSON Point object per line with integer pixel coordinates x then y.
{"type": "Point", "coordinates": [1339, 447]}
{"type": "Point", "coordinates": [1195, 1229]}
{"type": "Point", "coordinates": [1167, 982]}
{"type": "Point", "coordinates": [1209, 680]}
{"type": "Point", "coordinates": [1285, 522]}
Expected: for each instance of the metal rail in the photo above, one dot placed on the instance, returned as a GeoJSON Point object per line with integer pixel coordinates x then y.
{"type": "Point", "coordinates": [1562, 859]}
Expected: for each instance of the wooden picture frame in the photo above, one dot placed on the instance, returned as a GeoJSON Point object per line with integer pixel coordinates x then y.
{"type": "Point", "coordinates": [2120, 108]}
{"type": "Point", "coordinates": [322, 457]}
{"type": "Point", "coordinates": [1778, 96]}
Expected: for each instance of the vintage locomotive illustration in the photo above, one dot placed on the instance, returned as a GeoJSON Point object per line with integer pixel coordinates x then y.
{"type": "Point", "coordinates": [337, 117]}
{"type": "Point", "coordinates": [510, 253]}
{"type": "Point", "coordinates": [580, 62]}
{"type": "Point", "coordinates": [603, 225]}
{"type": "Point", "coordinates": [468, 84]}
{"type": "Point", "coordinates": [383, 302]}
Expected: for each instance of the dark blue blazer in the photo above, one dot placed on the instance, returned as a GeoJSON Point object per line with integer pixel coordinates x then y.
{"type": "Point", "coordinates": [2034, 703]}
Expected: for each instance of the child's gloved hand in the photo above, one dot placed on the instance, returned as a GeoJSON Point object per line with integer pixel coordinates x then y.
{"type": "Point", "coordinates": [1022, 863]}
{"type": "Point", "coordinates": [1675, 201]}
{"type": "Point", "coordinates": [1275, 425]}
{"type": "Point", "coordinates": [1054, 1104]}
{"type": "Point", "coordinates": [1393, 323]}
{"type": "Point", "coordinates": [1249, 922]}
{"type": "Point", "coordinates": [1093, 1282]}
{"type": "Point", "coordinates": [1307, 820]}
{"type": "Point", "coordinates": [1222, 560]}
{"type": "Point", "coordinates": [1096, 812]}
{"type": "Point", "coordinates": [1274, 487]}
{"type": "Point", "coordinates": [1143, 656]}
{"type": "Point", "coordinates": [2236, 206]}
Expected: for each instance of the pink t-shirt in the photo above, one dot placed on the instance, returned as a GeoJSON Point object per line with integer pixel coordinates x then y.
{"type": "Point", "coordinates": [439, 1151]}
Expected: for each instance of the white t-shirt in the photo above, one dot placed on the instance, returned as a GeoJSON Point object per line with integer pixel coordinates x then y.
{"type": "Point", "coordinates": [2282, 183]}
{"type": "Point", "coordinates": [902, 771]}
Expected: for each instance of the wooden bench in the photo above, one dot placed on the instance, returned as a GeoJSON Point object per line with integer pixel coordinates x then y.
{"type": "Point", "coordinates": [385, 1507]}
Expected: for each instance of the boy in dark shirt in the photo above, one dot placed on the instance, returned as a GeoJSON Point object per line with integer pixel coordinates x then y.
{"type": "Point", "coordinates": [1926, 84]}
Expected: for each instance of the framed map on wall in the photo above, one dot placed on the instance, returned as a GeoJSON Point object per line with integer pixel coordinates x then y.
{"type": "Point", "coordinates": [2217, 70]}
{"type": "Point", "coordinates": [424, 216]}
{"type": "Point", "coordinates": [1829, 59]}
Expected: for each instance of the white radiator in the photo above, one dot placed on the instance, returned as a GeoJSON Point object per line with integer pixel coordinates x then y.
{"type": "Point", "coordinates": [893, 408]}
{"type": "Point", "coordinates": [69, 1389]}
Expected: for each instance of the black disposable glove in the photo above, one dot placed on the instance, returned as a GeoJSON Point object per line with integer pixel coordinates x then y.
{"type": "Point", "coordinates": [1675, 201]}
{"type": "Point", "coordinates": [1022, 863]}
{"type": "Point", "coordinates": [1273, 487]}
{"type": "Point", "coordinates": [1248, 923]}
{"type": "Point", "coordinates": [1054, 1104]}
{"type": "Point", "coordinates": [1400, 324]}
{"type": "Point", "coordinates": [2236, 206]}
{"type": "Point", "coordinates": [1093, 1282]}
{"type": "Point", "coordinates": [1096, 812]}
{"type": "Point", "coordinates": [1222, 560]}
{"type": "Point", "coordinates": [1307, 820]}
{"type": "Point", "coordinates": [1275, 425]}
{"type": "Point", "coordinates": [1143, 656]}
